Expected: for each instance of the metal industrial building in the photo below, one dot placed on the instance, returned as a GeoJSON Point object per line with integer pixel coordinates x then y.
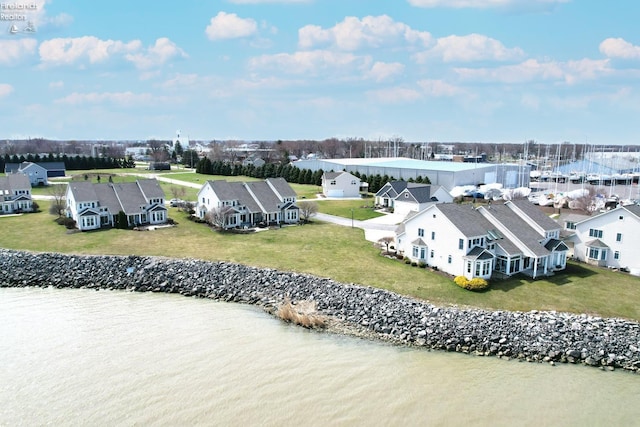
{"type": "Point", "coordinates": [446, 174]}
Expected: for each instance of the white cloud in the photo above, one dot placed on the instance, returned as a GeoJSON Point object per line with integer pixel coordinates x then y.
{"type": "Point", "coordinates": [484, 4]}
{"type": "Point", "coordinates": [56, 85]}
{"type": "Point", "coordinates": [439, 88]}
{"type": "Point", "coordinates": [381, 71]}
{"type": "Point", "coordinates": [396, 95]}
{"type": "Point", "coordinates": [531, 70]}
{"type": "Point", "coordinates": [69, 51]}
{"type": "Point", "coordinates": [619, 48]}
{"type": "Point", "coordinates": [473, 47]}
{"type": "Point", "coordinates": [5, 89]}
{"type": "Point", "coordinates": [230, 26]}
{"type": "Point", "coordinates": [310, 62]}
{"type": "Point", "coordinates": [123, 99]}
{"type": "Point", "coordinates": [13, 51]}
{"type": "Point", "coordinates": [369, 32]}
{"type": "Point", "coordinates": [43, 21]}
{"type": "Point", "coordinates": [158, 54]}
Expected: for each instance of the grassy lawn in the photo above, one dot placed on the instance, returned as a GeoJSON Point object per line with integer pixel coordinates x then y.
{"type": "Point", "coordinates": [337, 252]}
{"type": "Point", "coordinates": [362, 209]}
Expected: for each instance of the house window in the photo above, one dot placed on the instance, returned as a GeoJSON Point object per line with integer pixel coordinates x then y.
{"type": "Point", "coordinates": [406, 195]}
{"type": "Point", "coordinates": [597, 254]}
{"type": "Point", "coordinates": [421, 232]}
{"type": "Point", "coordinates": [616, 255]}
{"type": "Point", "coordinates": [416, 251]}
{"type": "Point", "coordinates": [595, 233]}
{"type": "Point", "coordinates": [432, 254]}
{"type": "Point", "coordinates": [486, 267]}
{"type": "Point", "coordinates": [353, 182]}
{"type": "Point", "coordinates": [449, 259]}
{"type": "Point", "coordinates": [620, 217]}
{"type": "Point", "coordinates": [570, 225]}
{"type": "Point", "coordinates": [460, 243]}
{"type": "Point", "coordinates": [469, 267]}
{"type": "Point", "coordinates": [333, 182]}
{"type": "Point", "coordinates": [433, 235]}
{"type": "Point", "coordinates": [619, 237]}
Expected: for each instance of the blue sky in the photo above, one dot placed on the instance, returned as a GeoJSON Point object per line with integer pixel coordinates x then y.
{"type": "Point", "coordinates": [422, 70]}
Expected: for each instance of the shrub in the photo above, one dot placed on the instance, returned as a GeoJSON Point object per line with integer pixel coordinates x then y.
{"type": "Point", "coordinates": [414, 264]}
{"type": "Point", "coordinates": [303, 313]}
{"type": "Point", "coordinates": [475, 284]}
{"type": "Point", "coordinates": [422, 264]}
{"type": "Point", "coordinates": [407, 261]}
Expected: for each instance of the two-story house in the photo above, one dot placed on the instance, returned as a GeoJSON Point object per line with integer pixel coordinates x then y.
{"type": "Point", "coordinates": [268, 202]}
{"type": "Point", "coordinates": [341, 184]}
{"type": "Point", "coordinates": [501, 238]}
{"type": "Point", "coordinates": [15, 194]}
{"type": "Point", "coordinates": [93, 206]}
{"type": "Point", "coordinates": [609, 239]}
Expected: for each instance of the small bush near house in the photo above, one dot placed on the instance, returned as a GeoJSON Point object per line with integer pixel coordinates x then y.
{"type": "Point", "coordinates": [475, 284]}
{"type": "Point", "coordinates": [414, 264]}
{"type": "Point", "coordinates": [422, 264]}
{"type": "Point", "coordinates": [407, 261]}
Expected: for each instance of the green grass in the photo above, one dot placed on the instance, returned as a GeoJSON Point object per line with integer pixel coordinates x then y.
{"type": "Point", "coordinates": [362, 209]}
{"type": "Point", "coordinates": [337, 252]}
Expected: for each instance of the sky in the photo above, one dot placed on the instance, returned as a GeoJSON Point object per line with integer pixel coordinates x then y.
{"type": "Point", "coordinates": [494, 71]}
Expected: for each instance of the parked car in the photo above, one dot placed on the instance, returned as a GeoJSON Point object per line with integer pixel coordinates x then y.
{"type": "Point", "coordinates": [174, 203]}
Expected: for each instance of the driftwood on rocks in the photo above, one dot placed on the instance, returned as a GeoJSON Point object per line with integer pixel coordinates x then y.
{"type": "Point", "coordinates": [542, 336]}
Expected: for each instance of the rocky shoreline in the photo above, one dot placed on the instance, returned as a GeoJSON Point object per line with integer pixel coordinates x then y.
{"type": "Point", "coordinates": [551, 337]}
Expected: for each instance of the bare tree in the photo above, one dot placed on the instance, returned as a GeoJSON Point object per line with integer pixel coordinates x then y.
{"type": "Point", "coordinates": [219, 217]}
{"type": "Point", "coordinates": [58, 193]}
{"type": "Point", "coordinates": [307, 210]}
{"type": "Point", "coordinates": [387, 240]}
{"type": "Point", "coordinates": [178, 192]}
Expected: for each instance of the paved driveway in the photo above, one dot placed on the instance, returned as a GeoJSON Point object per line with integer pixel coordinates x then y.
{"type": "Point", "coordinates": [374, 229]}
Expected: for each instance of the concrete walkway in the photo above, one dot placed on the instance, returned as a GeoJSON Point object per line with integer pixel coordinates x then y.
{"type": "Point", "coordinates": [374, 229]}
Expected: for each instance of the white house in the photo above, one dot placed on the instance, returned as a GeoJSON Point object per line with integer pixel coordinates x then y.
{"type": "Point", "coordinates": [15, 194]}
{"type": "Point", "coordinates": [340, 184]}
{"type": "Point", "coordinates": [610, 239]}
{"type": "Point", "coordinates": [93, 206]}
{"type": "Point", "coordinates": [418, 197]}
{"type": "Point", "coordinates": [498, 239]}
{"type": "Point", "coordinates": [271, 202]}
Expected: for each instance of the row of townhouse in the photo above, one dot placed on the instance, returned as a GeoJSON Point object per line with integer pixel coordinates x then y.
{"type": "Point", "coordinates": [94, 206]}
{"type": "Point", "coordinates": [609, 239]}
{"type": "Point", "coordinates": [247, 204]}
{"type": "Point", "coordinates": [499, 239]}
{"type": "Point", "coordinates": [15, 194]}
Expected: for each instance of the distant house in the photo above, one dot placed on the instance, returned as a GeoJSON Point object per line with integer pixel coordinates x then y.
{"type": "Point", "coordinates": [499, 239]}
{"type": "Point", "coordinates": [93, 206]}
{"type": "Point", "coordinates": [15, 194]}
{"type": "Point", "coordinates": [269, 202]}
{"type": "Point", "coordinates": [404, 197]}
{"type": "Point", "coordinates": [253, 161]}
{"type": "Point", "coordinates": [609, 239]}
{"type": "Point", "coordinates": [340, 184]}
{"type": "Point", "coordinates": [36, 174]}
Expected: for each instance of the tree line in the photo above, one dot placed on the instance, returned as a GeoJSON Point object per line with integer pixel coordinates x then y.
{"type": "Point", "coordinates": [291, 174]}
{"type": "Point", "coordinates": [71, 162]}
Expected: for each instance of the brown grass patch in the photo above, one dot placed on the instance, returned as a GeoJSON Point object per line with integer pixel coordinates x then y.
{"type": "Point", "coordinates": [303, 313]}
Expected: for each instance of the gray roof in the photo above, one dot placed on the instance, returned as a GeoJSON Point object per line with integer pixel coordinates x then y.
{"type": "Point", "coordinates": [554, 244]}
{"type": "Point", "coordinates": [224, 190]}
{"type": "Point", "coordinates": [49, 166]}
{"type": "Point", "coordinates": [479, 253]}
{"type": "Point", "coordinates": [331, 175]}
{"type": "Point", "coordinates": [282, 187]}
{"type": "Point", "coordinates": [524, 232]}
{"type": "Point", "coordinates": [83, 191]}
{"type": "Point", "coordinates": [466, 219]}
{"type": "Point", "coordinates": [392, 188]}
{"type": "Point", "coordinates": [418, 242]}
{"type": "Point", "coordinates": [421, 194]}
{"type": "Point", "coordinates": [265, 195]}
{"type": "Point", "coordinates": [128, 197]}
{"type": "Point", "coordinates": [244, 197]}
{"type": "Point", "coordinates": [634, 209]}
{"type": "Point", "coordinates": [14, 182]}
{"type": "Point", "coordinates": [151, 189]}
{"type": "Point", "coordinates": [534, 214]}
{"type": "Point", "coordinates": [597, 243]}
{"type": "Point", "coordinates": [131, 198]}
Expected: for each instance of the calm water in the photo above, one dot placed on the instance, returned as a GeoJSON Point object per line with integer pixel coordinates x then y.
{"type": "Point", "coordinates": [80, 357]}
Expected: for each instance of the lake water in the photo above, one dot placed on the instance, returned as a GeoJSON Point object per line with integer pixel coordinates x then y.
{"type": "Point", "coordinates": [110, 358]}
